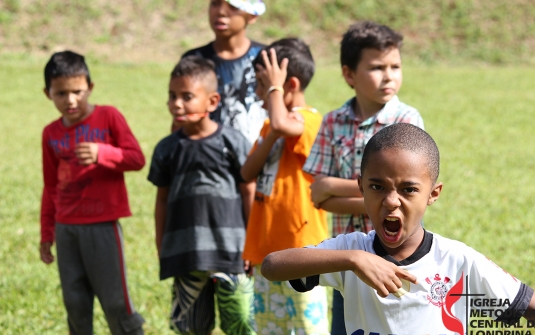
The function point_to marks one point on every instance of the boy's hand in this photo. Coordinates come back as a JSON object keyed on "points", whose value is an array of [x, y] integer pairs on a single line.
{"points": [[46, 253], [248, 267], [296, 116], [320, 189], [87, 153], [383, 276], [271, 74]]}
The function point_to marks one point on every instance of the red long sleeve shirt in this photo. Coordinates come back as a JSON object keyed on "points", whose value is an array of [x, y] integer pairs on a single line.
{"points": [[78, 194]]}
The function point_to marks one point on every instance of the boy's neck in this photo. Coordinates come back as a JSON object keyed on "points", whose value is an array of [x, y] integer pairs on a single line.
{"points": [[90, 109], [298, 100], [408, 247], [202, 129], [366, 109], [232, 47]]}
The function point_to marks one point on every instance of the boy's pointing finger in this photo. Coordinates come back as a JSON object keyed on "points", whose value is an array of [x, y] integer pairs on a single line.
{"points": [[403, 274]]}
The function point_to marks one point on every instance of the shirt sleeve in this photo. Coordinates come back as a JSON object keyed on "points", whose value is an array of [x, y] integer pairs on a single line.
{"points": [[242, 147], [334, 279], [302, 145], [125, 153], [413, 117], [321, 158], [160, 167], [488, 279], [50, 177]]}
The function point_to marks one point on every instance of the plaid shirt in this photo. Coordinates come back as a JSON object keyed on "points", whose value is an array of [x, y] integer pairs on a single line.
{"points": [[339, 146]]}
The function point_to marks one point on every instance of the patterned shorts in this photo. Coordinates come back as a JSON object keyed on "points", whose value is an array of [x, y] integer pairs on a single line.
{"points": [[280, 310], [193, 306]]}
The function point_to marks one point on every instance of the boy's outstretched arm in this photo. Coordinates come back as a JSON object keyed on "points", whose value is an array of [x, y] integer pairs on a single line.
{"points": [[160, 214], [272, 75], [385, 277]]}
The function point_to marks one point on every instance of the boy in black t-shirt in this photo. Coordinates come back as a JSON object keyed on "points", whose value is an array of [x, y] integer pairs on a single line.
{"points": [[199, 214]]}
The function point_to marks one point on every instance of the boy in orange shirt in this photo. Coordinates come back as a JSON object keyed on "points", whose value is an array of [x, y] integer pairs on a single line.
{"points": [[283, 216]]}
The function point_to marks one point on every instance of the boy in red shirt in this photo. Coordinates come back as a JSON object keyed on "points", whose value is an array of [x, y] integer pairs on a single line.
{"points": [[85, 153]]}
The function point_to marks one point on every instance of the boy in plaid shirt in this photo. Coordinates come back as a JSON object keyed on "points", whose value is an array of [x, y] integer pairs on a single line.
{"points": [[371, 65]]}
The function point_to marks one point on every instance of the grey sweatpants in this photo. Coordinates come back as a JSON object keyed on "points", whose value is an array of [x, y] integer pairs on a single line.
{"points": [[91, 262]]}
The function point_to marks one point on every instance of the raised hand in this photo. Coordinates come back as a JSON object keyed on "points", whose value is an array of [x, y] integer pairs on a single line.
{"points": [[271, 74]]}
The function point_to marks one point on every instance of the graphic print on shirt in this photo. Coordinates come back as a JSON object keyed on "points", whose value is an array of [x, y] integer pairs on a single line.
{"points": [[438, 290], [71, 190], [240, 108], [266, 178]]}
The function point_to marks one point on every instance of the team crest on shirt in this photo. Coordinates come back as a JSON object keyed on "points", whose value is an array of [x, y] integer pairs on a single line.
{"points": [[439, 289]]}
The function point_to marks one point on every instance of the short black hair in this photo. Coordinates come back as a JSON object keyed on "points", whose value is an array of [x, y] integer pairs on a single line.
{"points": [[197, 67], [366, 34], [300, 60], [66, 64], [408, 137]]}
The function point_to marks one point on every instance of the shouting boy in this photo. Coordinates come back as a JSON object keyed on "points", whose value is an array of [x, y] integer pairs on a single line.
{"points": [[371, 65], [400, 278]]}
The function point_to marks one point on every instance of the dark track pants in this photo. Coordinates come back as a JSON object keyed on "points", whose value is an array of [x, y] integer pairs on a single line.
{"points": [[91, 262]]}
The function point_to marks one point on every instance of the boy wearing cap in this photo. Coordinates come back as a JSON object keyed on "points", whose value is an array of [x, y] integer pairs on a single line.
{"points": [[233, 52]]}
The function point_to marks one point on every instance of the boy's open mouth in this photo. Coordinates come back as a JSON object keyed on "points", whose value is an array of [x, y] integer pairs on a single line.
{"points": [[392, 228]]}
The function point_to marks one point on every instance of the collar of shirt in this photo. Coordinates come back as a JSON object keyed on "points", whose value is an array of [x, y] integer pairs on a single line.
{"points": [[347, 111]]}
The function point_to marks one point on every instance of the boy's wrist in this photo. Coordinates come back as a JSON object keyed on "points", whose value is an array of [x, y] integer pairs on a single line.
{"points": [[275, 88]]}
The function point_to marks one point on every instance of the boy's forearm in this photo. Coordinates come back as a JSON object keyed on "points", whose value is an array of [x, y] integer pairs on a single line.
{"points": [[341, 187], [303, 262], [344, 205], [279, 117], [247, 191], [120, 159], [256, 160]]}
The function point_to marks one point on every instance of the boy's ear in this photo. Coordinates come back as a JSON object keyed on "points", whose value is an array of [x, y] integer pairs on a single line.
{"points": [[359, 179], [348, 75], [435, 193], [47, 93], [213, 101], [251, 18], [292, 85]]}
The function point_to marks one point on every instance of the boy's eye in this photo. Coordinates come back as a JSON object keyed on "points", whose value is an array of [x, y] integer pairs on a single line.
{"points": [[188, 97], [375, 187], [410, 190]]}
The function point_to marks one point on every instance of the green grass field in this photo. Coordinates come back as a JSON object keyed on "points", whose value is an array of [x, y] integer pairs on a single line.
{"points": [[479, 116]]}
